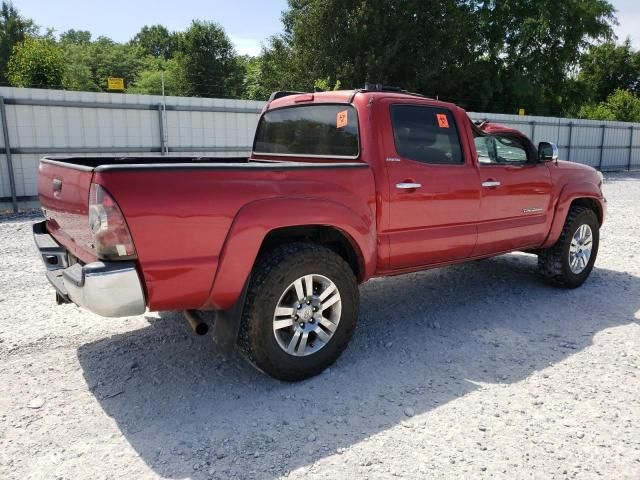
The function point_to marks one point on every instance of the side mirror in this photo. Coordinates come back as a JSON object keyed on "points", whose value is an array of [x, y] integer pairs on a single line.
{"points": [[547, 152]]}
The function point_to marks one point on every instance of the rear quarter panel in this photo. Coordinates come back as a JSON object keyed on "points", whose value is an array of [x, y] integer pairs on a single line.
{"points": [[180, 219]]}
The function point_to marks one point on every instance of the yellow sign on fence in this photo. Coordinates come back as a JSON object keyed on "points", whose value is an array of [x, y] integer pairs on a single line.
{"points": [[115, 83], [521, 112]]}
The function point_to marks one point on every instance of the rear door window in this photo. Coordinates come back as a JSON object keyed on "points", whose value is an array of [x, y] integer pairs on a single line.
{"points": [[309, 130], [426, 134]]}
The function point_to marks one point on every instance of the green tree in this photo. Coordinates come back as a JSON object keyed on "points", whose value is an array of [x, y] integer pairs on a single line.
{"points": [[325, 85], [156, 41], [254, 81], [621, 105], [149, 79], [76, 37], [111, 59], [89, 63], [484, 54], [212, 68], [410, 43], [78, 73], [13, 30], [36, 62], [608, 67], [273, 70], [531, 47]]}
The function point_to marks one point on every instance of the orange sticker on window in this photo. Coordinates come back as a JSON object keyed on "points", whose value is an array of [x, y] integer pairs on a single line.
{"points": [[443, 121], [342, 119]]}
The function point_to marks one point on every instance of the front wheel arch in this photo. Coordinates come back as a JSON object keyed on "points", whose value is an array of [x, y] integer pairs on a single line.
{"points": [[590, 204], [574, 195]]}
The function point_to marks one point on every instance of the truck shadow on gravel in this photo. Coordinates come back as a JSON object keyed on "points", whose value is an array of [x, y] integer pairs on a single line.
{"points": [[423, 340]]}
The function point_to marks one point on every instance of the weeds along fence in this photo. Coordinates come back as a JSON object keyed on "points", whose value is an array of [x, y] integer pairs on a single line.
{"points": [[39, 122]]}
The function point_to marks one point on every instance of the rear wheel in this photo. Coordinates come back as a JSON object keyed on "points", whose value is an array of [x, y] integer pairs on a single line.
{"points": [[300, 312], [569, 262]]}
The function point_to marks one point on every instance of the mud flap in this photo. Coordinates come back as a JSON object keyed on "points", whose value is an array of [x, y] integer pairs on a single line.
{"points": [[227, 324]]}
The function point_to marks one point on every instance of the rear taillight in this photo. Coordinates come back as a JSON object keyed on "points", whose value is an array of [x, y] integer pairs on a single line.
{"points": [[111, 235]]}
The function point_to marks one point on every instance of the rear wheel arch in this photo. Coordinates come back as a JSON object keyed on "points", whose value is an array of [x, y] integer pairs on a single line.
{"points": [[331, 237], [262, 224]]}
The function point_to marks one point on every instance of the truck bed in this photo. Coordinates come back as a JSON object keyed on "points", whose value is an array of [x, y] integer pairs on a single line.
{"points": [[180, 210]]}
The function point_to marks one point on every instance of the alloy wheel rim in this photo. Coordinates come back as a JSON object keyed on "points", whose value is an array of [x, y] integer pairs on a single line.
{"points": [[307, 315], [580, 249]]}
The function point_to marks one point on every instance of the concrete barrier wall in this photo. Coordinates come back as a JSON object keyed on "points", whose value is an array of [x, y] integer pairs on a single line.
{"points": [[40, 122]]}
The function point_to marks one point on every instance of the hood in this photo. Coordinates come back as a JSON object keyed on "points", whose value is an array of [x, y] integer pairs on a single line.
{"points": [[566, 165], [564, 172]]}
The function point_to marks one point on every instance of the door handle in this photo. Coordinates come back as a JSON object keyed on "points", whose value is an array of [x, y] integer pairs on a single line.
{"points": [[490, 184], [408, 185]]}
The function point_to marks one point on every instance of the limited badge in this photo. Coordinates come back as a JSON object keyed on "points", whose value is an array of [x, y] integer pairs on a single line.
{"points": [[342, 119], [443, 121]]}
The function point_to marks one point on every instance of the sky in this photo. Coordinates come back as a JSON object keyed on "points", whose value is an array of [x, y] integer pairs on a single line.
{"points": [[247, 22], [629, 19]]}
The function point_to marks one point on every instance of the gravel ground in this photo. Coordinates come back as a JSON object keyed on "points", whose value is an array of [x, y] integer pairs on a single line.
{"points": [[474, 371]]}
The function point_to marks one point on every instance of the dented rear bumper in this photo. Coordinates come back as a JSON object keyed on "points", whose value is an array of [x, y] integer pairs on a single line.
{"points": [[109, 289]]}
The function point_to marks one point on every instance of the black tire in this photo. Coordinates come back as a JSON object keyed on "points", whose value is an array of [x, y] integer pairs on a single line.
{"points": [[553, 262], [273, 273]]}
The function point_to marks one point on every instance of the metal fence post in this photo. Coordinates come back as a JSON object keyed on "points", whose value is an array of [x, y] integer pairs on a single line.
{"points": [[161, 124], [630, 147], [569, 146], [533, 130], [604, 129], [7, 148]]}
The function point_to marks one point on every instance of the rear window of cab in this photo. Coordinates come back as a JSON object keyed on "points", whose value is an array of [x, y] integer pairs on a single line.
{"points": [[321, 130]]}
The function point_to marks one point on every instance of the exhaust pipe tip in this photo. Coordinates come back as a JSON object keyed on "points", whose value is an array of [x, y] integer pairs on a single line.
{"points": [[196, 323], [201, 329]]}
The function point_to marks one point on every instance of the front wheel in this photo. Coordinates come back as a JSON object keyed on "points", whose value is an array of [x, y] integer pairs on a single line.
{"points": [[569, 262], [300, 312]]}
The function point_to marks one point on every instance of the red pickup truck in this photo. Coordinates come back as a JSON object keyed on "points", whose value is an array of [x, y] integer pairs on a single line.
{"points": [[340, 187]]}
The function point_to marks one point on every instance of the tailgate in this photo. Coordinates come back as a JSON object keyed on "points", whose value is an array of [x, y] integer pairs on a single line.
{"points": [[64, 195]]}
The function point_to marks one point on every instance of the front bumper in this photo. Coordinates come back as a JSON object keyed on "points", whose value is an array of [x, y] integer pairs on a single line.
{"points": [[109, 289]]}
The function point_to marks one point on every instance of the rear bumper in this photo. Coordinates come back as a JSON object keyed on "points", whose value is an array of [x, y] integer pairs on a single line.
{"points": [[109, 289]]}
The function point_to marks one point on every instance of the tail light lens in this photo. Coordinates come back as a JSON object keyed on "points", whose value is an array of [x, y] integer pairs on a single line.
{"points": [[111, 235]]}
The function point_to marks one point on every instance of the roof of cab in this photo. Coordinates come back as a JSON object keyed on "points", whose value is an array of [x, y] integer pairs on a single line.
{"points": [[288, 99]]}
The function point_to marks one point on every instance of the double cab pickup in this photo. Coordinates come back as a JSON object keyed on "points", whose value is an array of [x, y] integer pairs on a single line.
{"points": [[340, 187]]}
